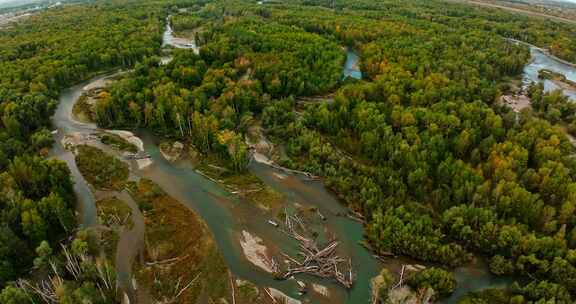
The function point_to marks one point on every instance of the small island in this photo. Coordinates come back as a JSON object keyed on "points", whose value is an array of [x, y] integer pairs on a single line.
{"points": [[558, 78]]}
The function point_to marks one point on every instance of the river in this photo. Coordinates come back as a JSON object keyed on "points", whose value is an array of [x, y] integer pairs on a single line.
{"points": [[227, 215], [64, 125], [168, 39], [541, 59], [352, 65]]}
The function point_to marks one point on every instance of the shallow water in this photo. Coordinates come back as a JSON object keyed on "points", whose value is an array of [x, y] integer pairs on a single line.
{"points": [[130, 244], [64, 125], [227, 216], [168, 39], [310, 193], [475, 277], [541, 60], [352, 65]]}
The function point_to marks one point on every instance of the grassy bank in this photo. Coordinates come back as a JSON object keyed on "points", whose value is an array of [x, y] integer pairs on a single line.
{"points": [[101, 170], [112, 212], [182, 263], [84, 110], [117, 142], [245, 184]]}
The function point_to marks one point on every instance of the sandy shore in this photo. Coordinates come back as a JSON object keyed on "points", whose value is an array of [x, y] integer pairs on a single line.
{"points": [[129, 137], [279, 175], [102, 82], [135, 140], [143, 163], [72, 140], [516, 102], [255, 251], [80, 138], [321, 290], [277, 294], [98, 84], [263, 159]]}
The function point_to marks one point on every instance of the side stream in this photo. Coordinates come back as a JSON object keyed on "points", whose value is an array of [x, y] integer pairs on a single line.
{"points": [[541, 59], [227, 216]]}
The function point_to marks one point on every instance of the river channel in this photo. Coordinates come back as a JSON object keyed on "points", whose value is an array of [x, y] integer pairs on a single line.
{"points": [[541, 59], [227, 215], [352, 65]]}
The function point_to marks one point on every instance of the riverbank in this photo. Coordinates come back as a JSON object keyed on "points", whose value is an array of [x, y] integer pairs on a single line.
{"points": [[558, 78], [90, 133], [172, 233], [542, 60], [120, 225], [299, 192], [201, 195], [181, 262], [543, 51], [101, 170], [169, 39], [82, 113], [242, 184]]}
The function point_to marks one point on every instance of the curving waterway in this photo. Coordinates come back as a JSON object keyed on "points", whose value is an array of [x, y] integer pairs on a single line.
{"points": [[168, 39], [227, 216], [86, 207], [541, 59]]}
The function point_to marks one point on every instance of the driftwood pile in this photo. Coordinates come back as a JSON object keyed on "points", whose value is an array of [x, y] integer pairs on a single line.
{"points": [[316, 260]]}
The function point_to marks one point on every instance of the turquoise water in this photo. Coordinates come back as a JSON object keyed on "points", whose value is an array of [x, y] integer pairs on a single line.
{"points": [[352, 65]]}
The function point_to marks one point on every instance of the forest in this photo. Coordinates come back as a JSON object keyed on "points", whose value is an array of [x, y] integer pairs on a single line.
{"points": [[421, 147], [39, 56]]}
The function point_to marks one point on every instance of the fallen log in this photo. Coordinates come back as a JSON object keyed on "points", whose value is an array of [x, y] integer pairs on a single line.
{"points": [[319, 261]]}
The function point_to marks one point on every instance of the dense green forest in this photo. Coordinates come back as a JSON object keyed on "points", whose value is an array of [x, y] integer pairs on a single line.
{"points": [[441, 171], [421, 147], [39, 57]]}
